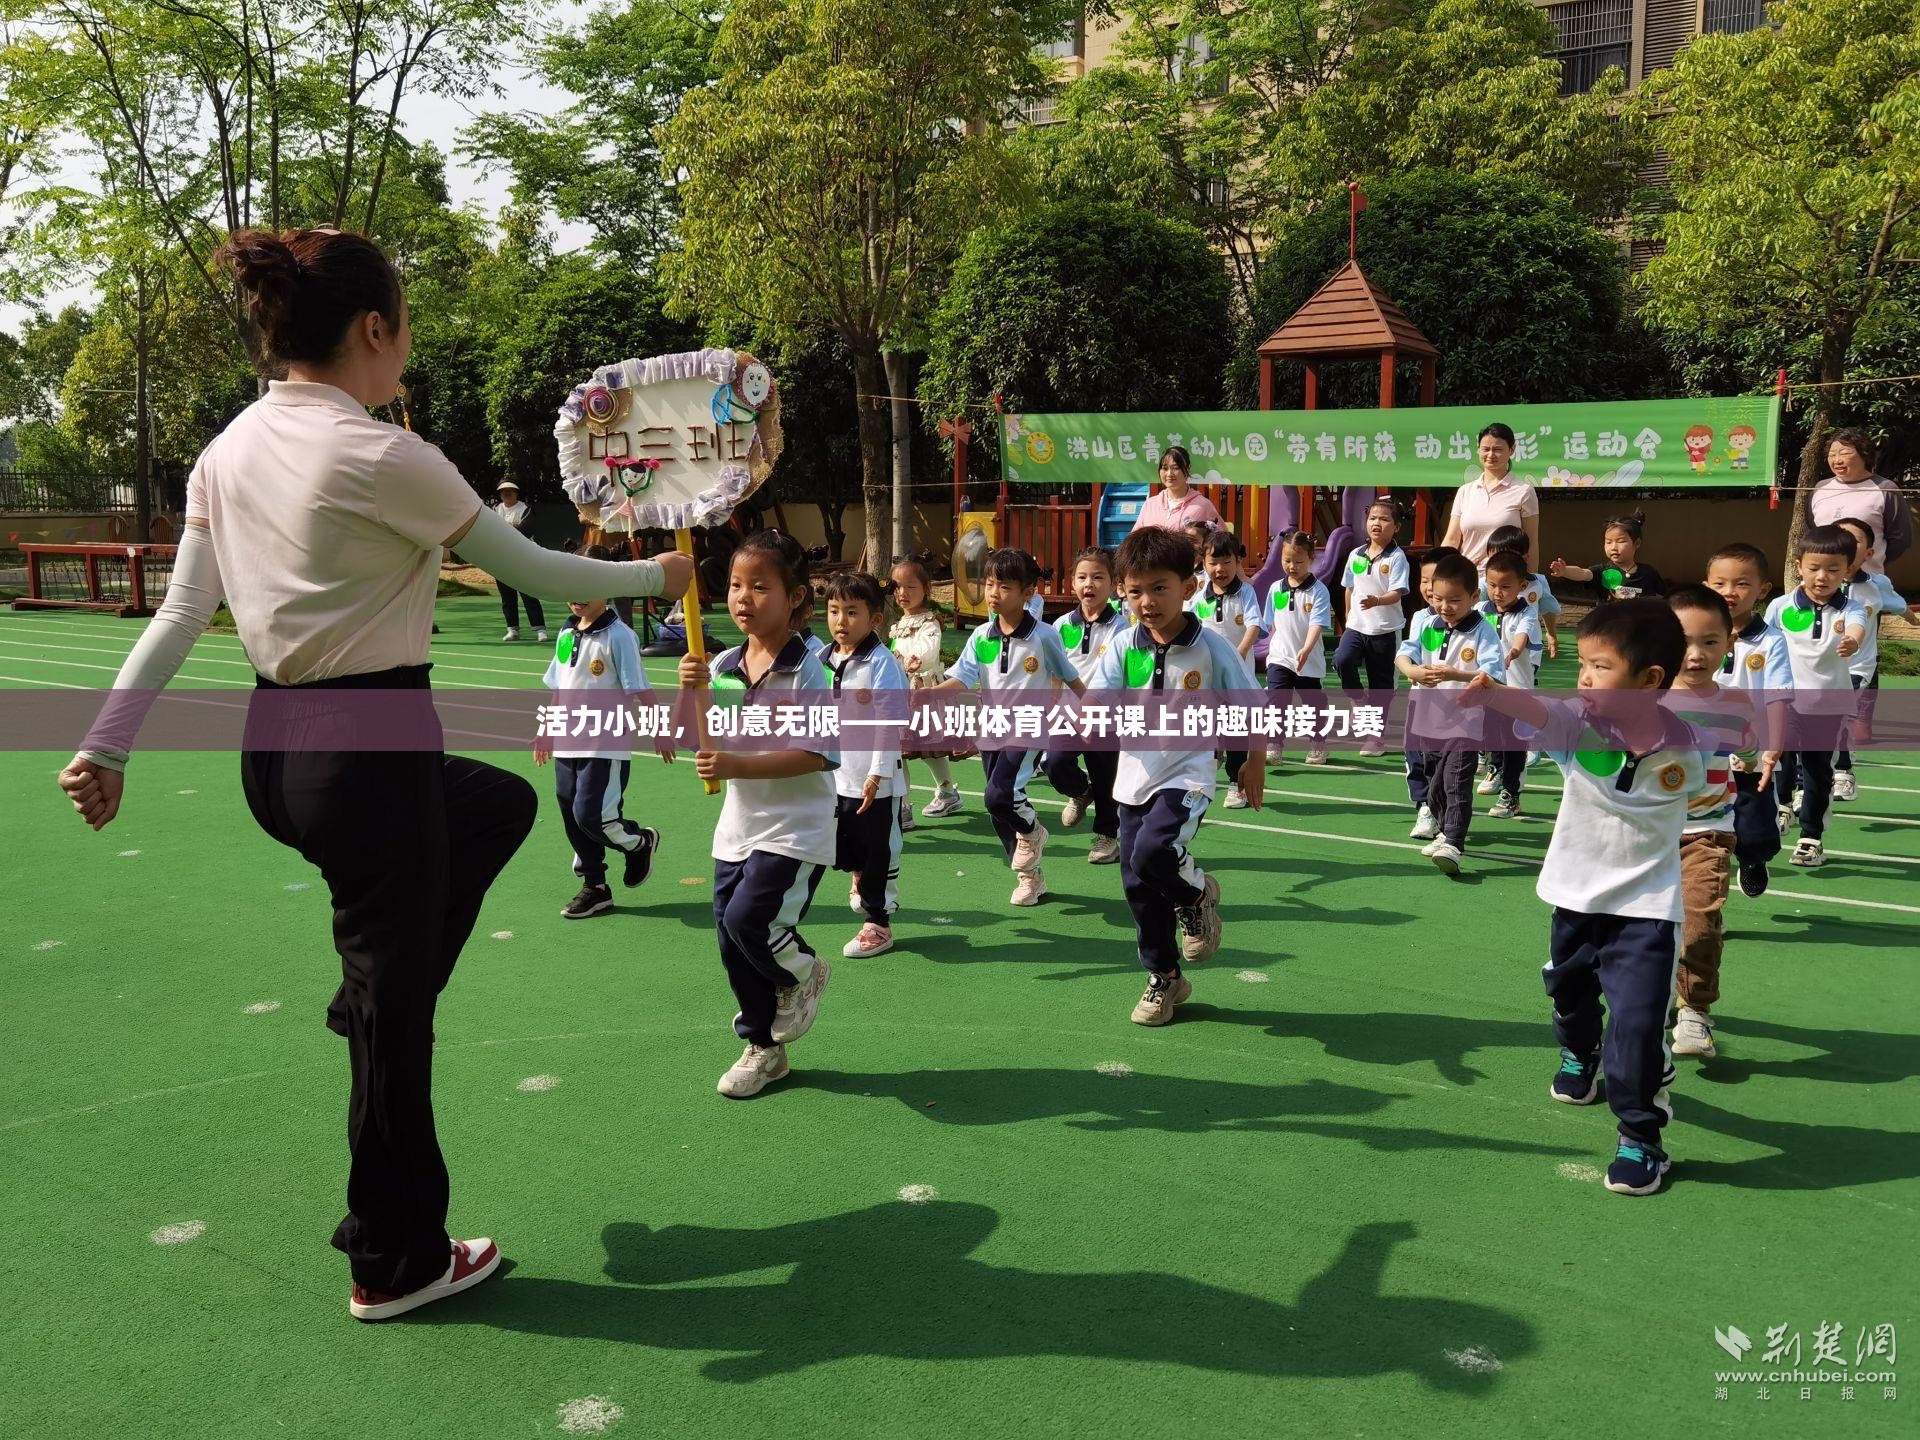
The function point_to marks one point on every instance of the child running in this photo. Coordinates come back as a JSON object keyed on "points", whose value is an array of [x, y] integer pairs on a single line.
{"points": [[597, 652], [1086, 632], [1302, 614], [1227, 605], [916, 637], [1012, 652], [1756, 661], [1163, 793], [776, 834], [869, 784], [1621, 576], [1520, 645], [1425, 827], [1539, 591], [1875, 595], [1377, 581]]}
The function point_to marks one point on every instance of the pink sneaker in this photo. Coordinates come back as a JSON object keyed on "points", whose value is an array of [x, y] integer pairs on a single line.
{"points": [[872, 940], [472, 1262], [1028, 848]]}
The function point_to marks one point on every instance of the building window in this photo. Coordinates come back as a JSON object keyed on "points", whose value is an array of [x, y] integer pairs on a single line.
{"points": [[1594, 35], [1211, 193], [1732, 17], [1040, 110], [1070, 45], [1194, 57]]}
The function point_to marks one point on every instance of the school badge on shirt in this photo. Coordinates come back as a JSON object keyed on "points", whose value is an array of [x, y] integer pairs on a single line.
{"points": [[598, 667], [1672, 777]]}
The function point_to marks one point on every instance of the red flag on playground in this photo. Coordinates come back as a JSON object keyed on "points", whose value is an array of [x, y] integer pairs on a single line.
{"points": [[1359, 196]]}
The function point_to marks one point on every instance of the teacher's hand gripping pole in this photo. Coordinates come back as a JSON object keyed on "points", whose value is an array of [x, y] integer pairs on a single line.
{"points": [[696, 638]]}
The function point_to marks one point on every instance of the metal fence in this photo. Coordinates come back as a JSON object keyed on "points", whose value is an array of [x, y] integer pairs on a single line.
{"points": [[28, 490]]}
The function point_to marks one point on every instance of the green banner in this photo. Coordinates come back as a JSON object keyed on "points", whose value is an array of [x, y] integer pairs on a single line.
{"points": [[1626, 444]]}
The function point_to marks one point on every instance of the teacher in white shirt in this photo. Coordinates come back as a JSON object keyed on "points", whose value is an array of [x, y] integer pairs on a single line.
{"points": [[1494, 500], [323, 529]]}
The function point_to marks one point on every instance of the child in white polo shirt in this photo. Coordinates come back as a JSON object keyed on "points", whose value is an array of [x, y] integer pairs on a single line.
{"points": [[1823, 630], [1163, 793], [1425, 826], [869, 782], [1300, 613], [1013, 653], [1230, 607], [776, 835], [1377, 580], [1756, 662], [1085, 633], [1448, 653], [1875, 595], [1612, 872], [1505, 581], [598, 654]]}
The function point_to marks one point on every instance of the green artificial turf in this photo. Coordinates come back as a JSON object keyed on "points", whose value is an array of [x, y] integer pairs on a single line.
{"points": [[1333, 1198]]}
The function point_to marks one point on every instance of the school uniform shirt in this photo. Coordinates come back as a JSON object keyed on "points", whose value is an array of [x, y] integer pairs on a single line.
{"points": [[918, 637], [605, 656], [1521, 623], [1643, 581], [1875, 596], [1197, 660], [1616, 841], [1813, 634], [1085, 641], [1036, 606], [1731, 724], [1470, 643], [1290, 614], [1758, 659], [1231, 612], [792, 817], [1031, 658], [869, 671], [1539, 594], [1367, 575], [816, 647]]}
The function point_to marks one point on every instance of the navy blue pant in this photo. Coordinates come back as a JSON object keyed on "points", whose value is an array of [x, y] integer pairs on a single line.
{"points": [[1843, 757], [1812, 772], [758, 904], [1756, 826], [1157, 872], [1008, 772], [868, 845], [1450, 791], [1095, 784], [1629, 965], [1373, 653], [510, 607], [1512, 765], [1301, 689], [1419, 762], [590, 793]]}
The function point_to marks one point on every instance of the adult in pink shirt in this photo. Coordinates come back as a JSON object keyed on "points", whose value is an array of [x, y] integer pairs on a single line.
{"points": [[1854, 492], [1176, 503], [1492, 501]]}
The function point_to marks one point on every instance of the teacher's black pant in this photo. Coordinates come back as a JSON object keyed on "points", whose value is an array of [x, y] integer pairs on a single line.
{"points": [[408, 843]]}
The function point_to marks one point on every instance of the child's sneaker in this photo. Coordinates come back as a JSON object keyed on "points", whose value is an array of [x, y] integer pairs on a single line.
{"points": [[906, 814], [1163, 993], [1809, 854], [1028, 848], [872, 940], [1445, 856], [947, 800], [1507, 807], [511, 635], [1534, 757], [1637, 1168], [1105, 851], [853, 893], [758, 1067], [1425, 826], [640, 859], [543, 637], [1029, 887], [1373, 746], [797, 1006], [1200, 924], [1693, 1034], [1489, 783], [1785, 816], [1316, 754], [1577, 1081], [1845, 787], [1074, 811], [472, 1261], [1236, 799], [592, 900], [1432, 845], [1753, 878]]}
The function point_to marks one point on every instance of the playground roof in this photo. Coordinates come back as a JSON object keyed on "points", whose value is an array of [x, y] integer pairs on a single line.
{"points": [[1349, 315]]}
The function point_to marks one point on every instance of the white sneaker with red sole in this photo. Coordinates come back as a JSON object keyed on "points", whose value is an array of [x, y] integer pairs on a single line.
{"points": [[472, 1262]]}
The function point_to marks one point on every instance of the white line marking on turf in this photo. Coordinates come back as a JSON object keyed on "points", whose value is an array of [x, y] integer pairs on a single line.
{"points": [[1476, 1360], [262, 1007], [503, 934], [1586, 1174], [1114, 1067], [49, 944], [44, 684], [298, 886], [179, 1234], [1843, 900], [918, 1194], [589, 1415], [186, 792], [534, 1084], [1252, 977]]}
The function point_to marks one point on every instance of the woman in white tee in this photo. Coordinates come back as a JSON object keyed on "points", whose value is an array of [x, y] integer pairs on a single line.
{"points": [[323, 529]]}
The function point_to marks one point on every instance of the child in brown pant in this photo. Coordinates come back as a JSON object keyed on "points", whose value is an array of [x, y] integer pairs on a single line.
{"points": [[1706, 843]]}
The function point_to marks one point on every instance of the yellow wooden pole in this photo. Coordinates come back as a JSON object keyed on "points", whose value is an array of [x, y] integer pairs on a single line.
{"points": [[696, 637]]}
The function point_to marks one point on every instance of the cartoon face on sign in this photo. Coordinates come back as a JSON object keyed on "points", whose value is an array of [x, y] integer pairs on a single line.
{"points": [[755, 385]]}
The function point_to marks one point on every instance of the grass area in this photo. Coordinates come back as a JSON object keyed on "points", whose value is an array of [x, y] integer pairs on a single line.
{"points": [[985, 1203]]}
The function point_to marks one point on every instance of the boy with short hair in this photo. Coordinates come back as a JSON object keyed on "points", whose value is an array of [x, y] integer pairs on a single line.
{"points": [[1756, 661], [1228, 605], [1162, 794], [868, 784], [1823, 631], [598, 653], [1612, 872], [1456, 647], [1520, 645], [1087, 631], [1539, 589], [1425, 826], [1876, 596]]}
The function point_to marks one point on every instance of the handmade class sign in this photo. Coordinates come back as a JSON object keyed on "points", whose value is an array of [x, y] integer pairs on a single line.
{"points": [[673, 442]]}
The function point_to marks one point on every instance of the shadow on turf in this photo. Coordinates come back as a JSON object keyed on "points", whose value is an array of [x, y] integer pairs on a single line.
{"points": [[899, 1281]]}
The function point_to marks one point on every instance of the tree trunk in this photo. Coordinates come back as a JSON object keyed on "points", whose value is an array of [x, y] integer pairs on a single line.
{"points": [[1833, 367], [869, 378], [899, 383], [142, 420]]}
